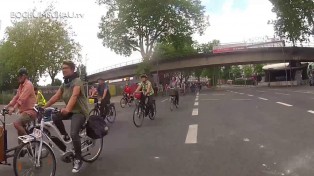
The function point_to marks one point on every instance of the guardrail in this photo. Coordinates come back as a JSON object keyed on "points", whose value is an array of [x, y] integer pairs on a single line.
{"points": [[123, 64]]}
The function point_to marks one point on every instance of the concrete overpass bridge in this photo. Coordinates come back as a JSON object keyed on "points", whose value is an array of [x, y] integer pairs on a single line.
{"points": [[249, 56]]}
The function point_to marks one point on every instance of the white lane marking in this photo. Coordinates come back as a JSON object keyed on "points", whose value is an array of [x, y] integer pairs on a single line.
{"points": [[241, 93], [310, 111], [196, 96], [195, 112], [164, 100], [196, 104], [196, 99], [191, 137], [250, 95], [285, 104], [210, 99], [281, 93], [262, 98], [197, 93], [260, 91], [156, 157], [246, 140], [241, 99]]}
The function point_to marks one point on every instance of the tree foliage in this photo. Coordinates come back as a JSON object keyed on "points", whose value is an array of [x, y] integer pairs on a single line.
{"points": [[38, 44], [137, 25], [247, 70], [295, 19], [207, 47], [236, 71]]}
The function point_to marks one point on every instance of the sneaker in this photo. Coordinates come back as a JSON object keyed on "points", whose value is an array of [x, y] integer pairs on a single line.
{"points": [[66, 138], [77, 165]]}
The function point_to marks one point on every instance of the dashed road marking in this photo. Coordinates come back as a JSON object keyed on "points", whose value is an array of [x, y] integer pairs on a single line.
{"points": [[281, 93], [311, 111], [196, 104], [164, 100], [195, 112], [191, 137], [250, 95], [262, 98], [285, 104]]}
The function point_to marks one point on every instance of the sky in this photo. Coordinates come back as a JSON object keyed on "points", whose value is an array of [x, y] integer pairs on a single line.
{"points": [[231, 21]]}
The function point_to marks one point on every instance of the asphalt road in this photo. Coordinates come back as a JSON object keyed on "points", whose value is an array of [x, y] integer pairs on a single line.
{"points": [[231, 131]]}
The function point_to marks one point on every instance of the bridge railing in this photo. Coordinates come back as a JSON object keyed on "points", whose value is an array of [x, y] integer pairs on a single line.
{"points": [[248, 45], [123, 64]]}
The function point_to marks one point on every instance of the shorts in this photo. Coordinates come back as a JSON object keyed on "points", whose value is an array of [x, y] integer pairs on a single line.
{"points": [[24, 119]]}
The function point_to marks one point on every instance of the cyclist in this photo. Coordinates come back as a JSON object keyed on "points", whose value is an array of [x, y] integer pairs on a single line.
{"points": [[24, 101], [104, 96], [127, 91], [73, 94], [174, 85], [41, 101], [146, 87]]}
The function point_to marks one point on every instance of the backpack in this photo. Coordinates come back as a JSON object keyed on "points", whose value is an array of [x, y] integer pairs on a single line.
{"points": [[96, 127]]}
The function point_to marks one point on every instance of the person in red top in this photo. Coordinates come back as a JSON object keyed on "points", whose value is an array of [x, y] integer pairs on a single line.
{"points": [[24, 101], [127, 90]]}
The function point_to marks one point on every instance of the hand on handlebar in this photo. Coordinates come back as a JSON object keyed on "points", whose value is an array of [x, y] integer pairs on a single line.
{"points": [[65, 112]]}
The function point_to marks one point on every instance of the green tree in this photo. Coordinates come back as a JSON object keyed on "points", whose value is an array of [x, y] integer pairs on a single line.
{"points": [[236, 71], [82, 71], [247, 70], [40, 45], [174, 47], [207, 47], [137, 25], [57, 82], [258, 69], [295, 19]]}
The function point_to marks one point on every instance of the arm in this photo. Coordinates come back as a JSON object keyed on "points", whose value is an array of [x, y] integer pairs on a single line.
{"points": [[54, 98], [105, 92], [149, 88], [138, 88], [23, 95], [73, 99]]}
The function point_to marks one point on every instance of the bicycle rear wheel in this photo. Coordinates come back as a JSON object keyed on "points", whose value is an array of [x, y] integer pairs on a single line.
{"points": [[152, 115], [171, 103], [112, 114], [91, 148], [138, 116], [26, 156], [94, 112]]}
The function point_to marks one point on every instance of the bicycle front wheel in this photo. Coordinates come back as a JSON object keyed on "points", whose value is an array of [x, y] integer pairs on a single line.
{"points": [[138, 116], [112, 114], [25, 161]]}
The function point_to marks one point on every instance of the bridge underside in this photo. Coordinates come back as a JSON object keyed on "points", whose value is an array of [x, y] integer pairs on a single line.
{"points": [[252, 56]]}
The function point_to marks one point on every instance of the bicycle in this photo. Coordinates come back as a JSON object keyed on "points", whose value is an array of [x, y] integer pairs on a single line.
{"points": [[173, 101], [110, 117], [141, 110], [6, 153], [126, 100], [40, 153]]}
